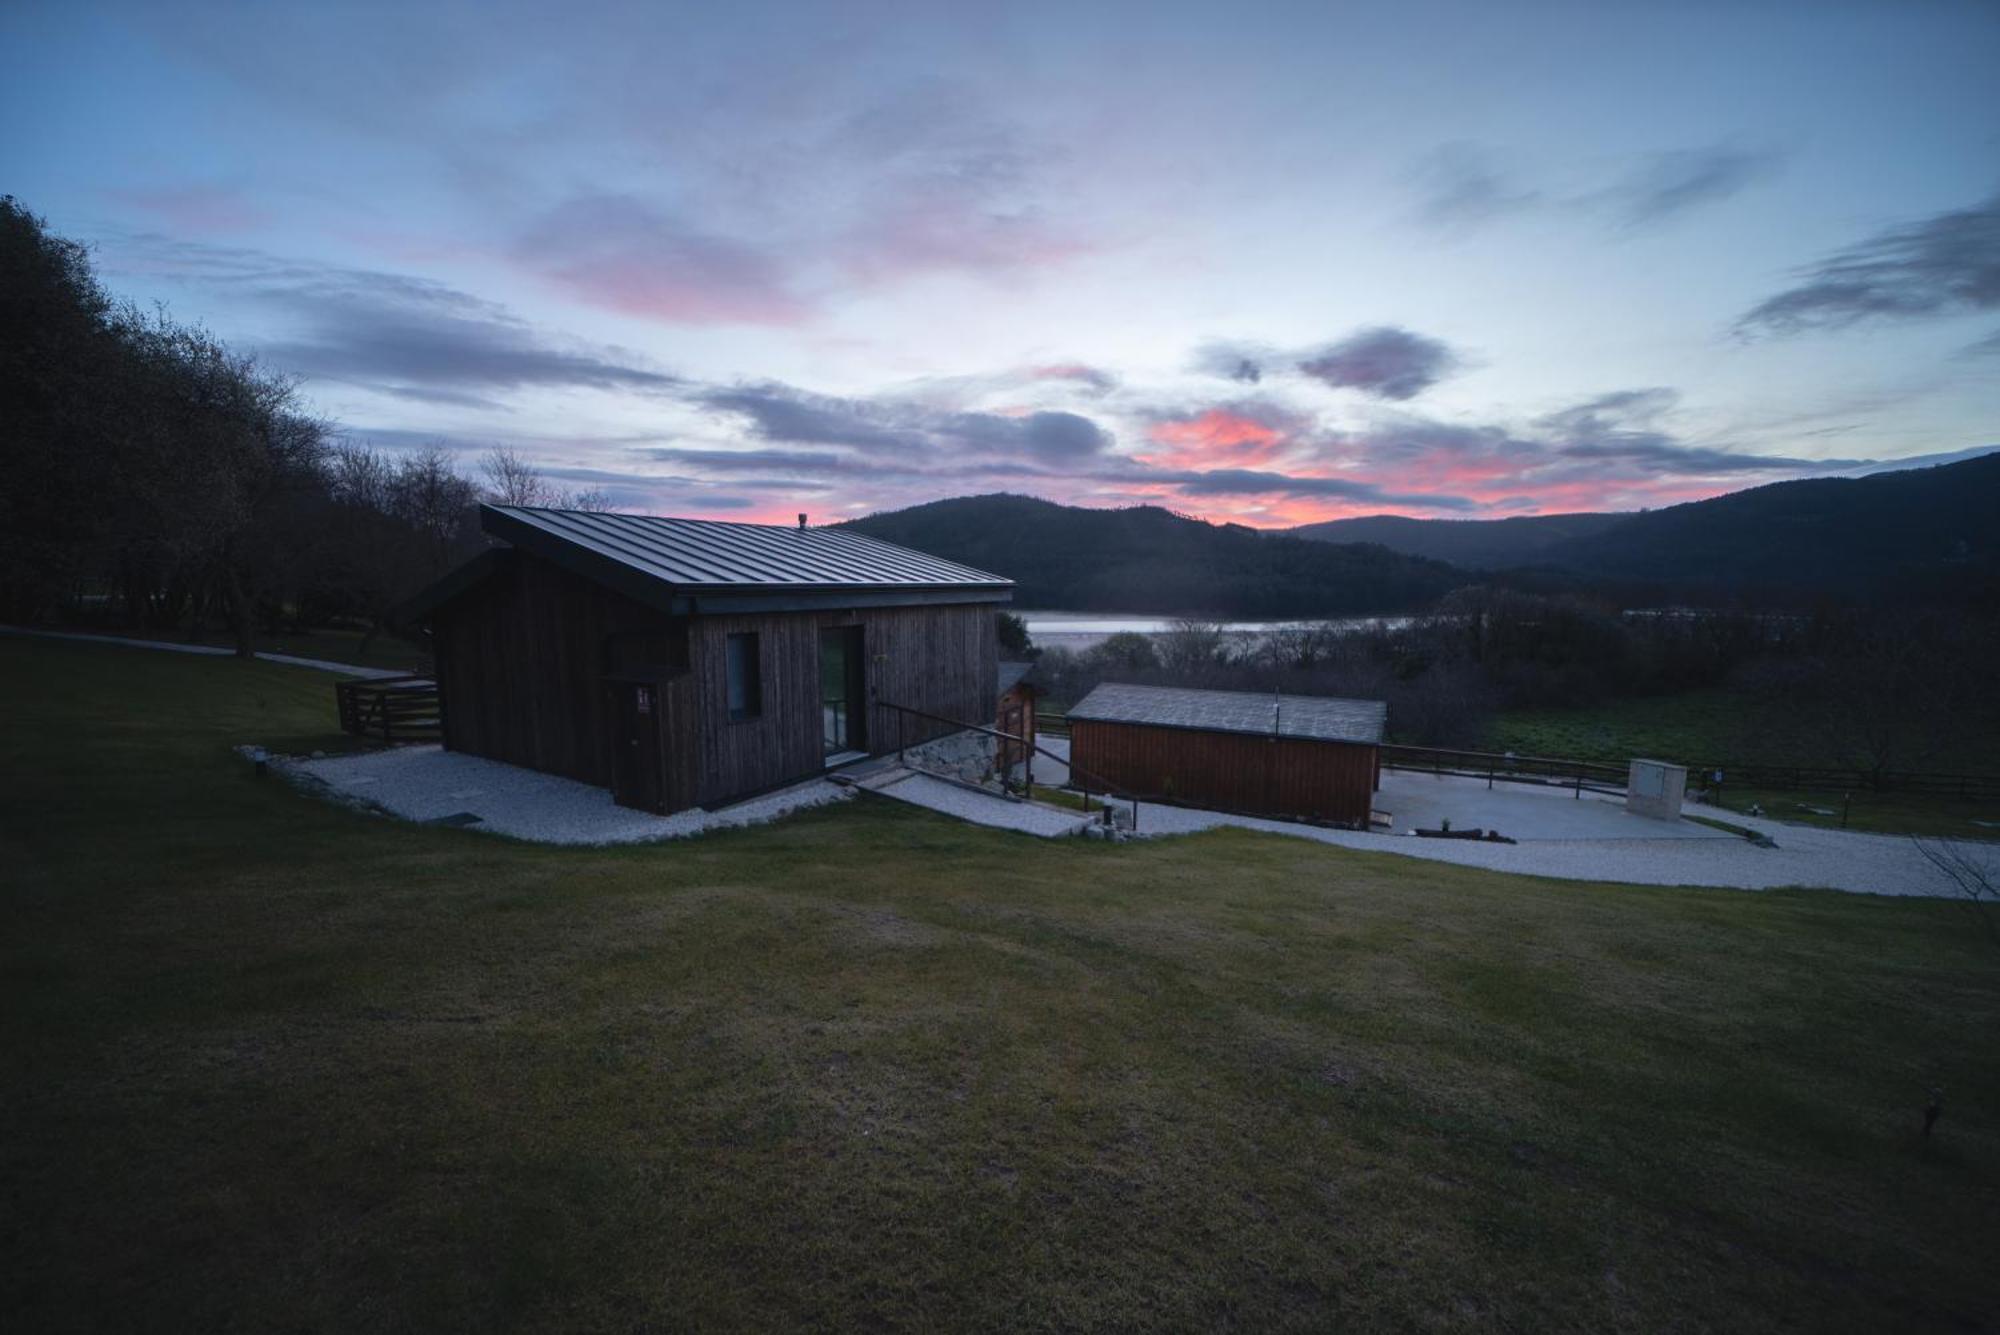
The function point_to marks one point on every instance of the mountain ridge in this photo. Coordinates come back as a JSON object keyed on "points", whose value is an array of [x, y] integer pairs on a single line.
{"points": [[1929, 533]]}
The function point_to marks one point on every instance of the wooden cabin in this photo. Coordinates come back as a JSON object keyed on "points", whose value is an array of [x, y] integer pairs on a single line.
{"points": [[686, 662], [1310, 756]]}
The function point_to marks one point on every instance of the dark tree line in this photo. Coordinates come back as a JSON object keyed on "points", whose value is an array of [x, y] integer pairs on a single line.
{"points": [[157, 480], [1878, 689]]}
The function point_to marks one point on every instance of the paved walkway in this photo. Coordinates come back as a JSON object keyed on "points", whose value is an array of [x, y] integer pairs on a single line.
{"points": [[1524, 811], [1829, 859], [968, 804], [1595, 839], [430, 784], [178, 647]]}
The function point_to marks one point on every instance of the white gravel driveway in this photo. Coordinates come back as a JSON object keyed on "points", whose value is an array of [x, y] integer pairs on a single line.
{"points": [[1873, 864], [429, 783]]}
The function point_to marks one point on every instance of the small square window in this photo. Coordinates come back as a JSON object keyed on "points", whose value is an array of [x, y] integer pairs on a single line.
{"points": [[746, 680]]}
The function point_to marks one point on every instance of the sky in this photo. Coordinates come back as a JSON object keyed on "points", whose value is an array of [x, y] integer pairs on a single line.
{"points": [[1262, 263]]}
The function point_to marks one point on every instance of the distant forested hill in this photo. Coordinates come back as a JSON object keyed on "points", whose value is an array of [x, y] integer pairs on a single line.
{"points": [[1923, 532], [1928, 533], [1147, 559], [1480, 544]]}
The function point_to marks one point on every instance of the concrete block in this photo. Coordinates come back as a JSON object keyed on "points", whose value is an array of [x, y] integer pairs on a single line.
{"points": [[1655, 788]]}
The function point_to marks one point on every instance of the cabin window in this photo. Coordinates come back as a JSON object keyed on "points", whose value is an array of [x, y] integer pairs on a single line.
{"points": [[746, 683]]}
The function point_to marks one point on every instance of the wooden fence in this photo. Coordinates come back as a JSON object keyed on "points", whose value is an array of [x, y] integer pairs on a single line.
{"points": [[394, 709], [1804, 778], [1582, 776]]}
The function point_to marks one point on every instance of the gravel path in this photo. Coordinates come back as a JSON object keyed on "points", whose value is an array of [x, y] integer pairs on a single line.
{"points": [[1598, 841], [983, 808], [1874, 864], [428, 783], [1054, 772], [171, 646]]}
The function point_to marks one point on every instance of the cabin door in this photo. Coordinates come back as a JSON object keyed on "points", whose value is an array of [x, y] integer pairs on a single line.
{"points": [[842, 695], [636, 780]]}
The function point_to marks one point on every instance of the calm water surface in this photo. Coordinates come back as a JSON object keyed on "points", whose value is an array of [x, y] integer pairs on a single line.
{"points": [[1080, 630]]}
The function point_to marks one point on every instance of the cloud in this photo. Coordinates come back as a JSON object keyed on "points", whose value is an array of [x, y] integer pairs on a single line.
{"points": [[1669, 184], [195, 207], [1385, 362], [1945, 265], [1241, 362], [1094, 379], [620, 253], [1254, 482], [780, 412], [776, 411], [1460, 187], [1235, 434], [950, 188], [403, 336], [1620, 409]]}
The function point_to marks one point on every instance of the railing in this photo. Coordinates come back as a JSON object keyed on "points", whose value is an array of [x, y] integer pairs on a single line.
{"points": [[1806, 778], [1105, 788], [395, 709], [1580, 775]]}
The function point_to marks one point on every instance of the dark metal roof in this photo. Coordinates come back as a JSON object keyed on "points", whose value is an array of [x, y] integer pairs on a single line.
{"points": [[414, 610], [1319, 717], [1011, 672], [695, 555]]}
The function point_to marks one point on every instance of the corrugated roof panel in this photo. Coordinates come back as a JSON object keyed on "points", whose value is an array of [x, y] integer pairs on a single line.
{"points": [[716, 554], [1319, 717]]}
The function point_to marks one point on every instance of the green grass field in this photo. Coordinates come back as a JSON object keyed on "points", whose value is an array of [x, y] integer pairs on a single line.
{"points": [[333, 646], [272, 1064], [1703, 727]]}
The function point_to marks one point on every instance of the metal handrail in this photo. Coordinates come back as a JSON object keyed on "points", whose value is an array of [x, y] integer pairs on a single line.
{"points": [[1033, 750], [1492, 766]]}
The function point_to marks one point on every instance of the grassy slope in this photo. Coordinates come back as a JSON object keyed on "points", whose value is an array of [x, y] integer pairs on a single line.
{"points": [[268, 1063], [1708, 726], [333, 646]]}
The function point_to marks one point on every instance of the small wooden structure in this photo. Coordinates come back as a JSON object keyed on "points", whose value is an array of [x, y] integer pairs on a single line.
{"points": [[685, 662], [391, 709], [1307, 756], [1015, 715]]}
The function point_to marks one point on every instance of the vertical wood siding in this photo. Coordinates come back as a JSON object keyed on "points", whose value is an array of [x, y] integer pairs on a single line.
{"points": [[1283, 776], [942, 659], [522, 660]]}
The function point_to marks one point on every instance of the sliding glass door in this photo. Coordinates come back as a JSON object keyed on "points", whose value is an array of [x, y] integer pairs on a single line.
{"points": [[840, 690]]}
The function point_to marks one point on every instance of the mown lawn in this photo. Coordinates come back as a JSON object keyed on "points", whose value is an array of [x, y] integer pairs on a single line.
{"points": [[270, 1064], [1706, 727], [331, 645]]}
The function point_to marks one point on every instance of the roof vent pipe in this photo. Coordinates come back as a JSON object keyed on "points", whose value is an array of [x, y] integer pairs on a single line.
{"points": [[802, 521]]}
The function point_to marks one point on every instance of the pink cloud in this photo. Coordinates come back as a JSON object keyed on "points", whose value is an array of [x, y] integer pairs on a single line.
{"points": [[203, 208], [1219, 437], [618, 253]]}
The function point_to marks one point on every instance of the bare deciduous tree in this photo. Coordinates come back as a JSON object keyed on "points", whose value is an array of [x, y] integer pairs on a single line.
{"points": [[433, 499], [512, 480], [1189, 647]]}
